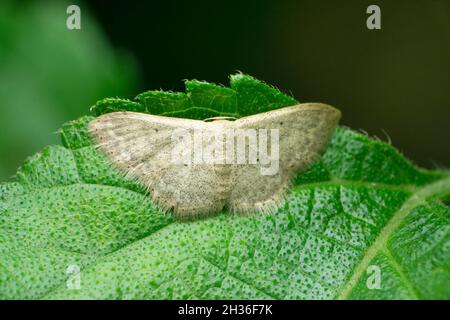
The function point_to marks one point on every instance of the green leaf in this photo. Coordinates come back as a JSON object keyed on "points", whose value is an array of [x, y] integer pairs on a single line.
{"points": [[204, 100], [49, 74], [361, 223]]}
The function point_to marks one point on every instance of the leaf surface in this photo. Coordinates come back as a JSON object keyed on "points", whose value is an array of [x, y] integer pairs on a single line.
{"points": [[361, 223]]}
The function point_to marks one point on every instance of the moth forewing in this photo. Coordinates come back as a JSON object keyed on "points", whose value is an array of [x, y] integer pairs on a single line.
{"points": [[141, 147]]}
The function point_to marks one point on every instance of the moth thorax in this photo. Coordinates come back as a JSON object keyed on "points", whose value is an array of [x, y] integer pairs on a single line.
{"points": [[220, 119]]}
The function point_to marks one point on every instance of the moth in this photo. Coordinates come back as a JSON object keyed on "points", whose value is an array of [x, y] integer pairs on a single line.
{"points": [[222, 164]]}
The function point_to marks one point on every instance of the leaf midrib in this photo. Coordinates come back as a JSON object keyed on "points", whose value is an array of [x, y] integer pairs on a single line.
{"points": [[441, 187], [436, 189]]}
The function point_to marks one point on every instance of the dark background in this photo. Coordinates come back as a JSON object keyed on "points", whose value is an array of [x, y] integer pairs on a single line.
{"points": [[393, 82]]}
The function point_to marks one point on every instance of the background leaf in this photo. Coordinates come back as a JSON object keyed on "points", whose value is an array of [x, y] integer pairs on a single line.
{"points": [[49, 75], [362, 204]]}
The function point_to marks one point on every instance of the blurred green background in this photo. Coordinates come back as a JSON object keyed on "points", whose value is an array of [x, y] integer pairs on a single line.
{"points": [[391, 82]]}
